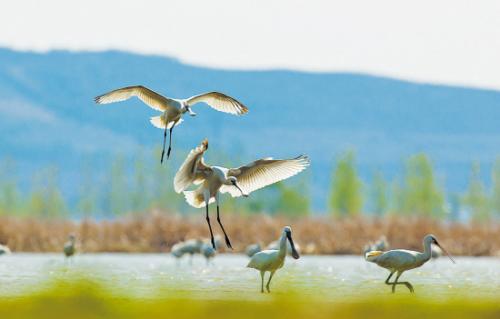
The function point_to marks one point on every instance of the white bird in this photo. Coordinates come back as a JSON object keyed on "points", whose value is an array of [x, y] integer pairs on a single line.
{"points": [[243, 180], [190, 246], [208, 252], [251, 250], [69, 248], [380, 245], [172, 109], [4, 250], [401, 260], [272, 260], [276, 245]]}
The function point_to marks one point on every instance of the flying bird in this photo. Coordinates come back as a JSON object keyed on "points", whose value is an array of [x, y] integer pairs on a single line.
{"points": [[273, 259], [240, 181], [401, 260], [172, 109]]}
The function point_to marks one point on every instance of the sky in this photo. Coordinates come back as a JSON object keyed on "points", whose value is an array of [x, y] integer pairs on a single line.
{"points": [[453, 42]]}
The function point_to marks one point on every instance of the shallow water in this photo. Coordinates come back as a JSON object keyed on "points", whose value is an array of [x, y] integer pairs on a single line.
{"points": [[144, 275]]}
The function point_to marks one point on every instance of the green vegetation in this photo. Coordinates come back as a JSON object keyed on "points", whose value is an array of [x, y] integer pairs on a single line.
{"points": [[139, 183], [85, 299]]}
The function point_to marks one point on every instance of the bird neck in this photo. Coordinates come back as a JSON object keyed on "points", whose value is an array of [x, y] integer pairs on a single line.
{"points": [[283, 240], [426, 255]]}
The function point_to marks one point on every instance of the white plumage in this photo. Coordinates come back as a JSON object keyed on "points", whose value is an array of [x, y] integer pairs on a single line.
{"points": [[243, 180], [401, 260], [172, 109], [272, 259]]}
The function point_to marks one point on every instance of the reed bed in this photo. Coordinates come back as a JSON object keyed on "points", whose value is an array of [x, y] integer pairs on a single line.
{"points": [[158, 231]]}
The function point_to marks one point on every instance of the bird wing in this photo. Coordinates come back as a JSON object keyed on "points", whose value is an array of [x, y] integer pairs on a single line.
{"points": [[193, 170], [219, 102], [150, 97], [264, 172]]}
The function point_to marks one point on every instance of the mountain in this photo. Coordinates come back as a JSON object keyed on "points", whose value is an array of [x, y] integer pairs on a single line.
{"points": [[47, 116]]}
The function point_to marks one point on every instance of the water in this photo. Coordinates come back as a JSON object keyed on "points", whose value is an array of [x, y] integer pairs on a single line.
{"points": [[144, 275]]}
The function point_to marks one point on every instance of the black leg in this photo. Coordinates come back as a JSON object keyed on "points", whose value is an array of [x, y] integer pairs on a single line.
{"points": [[164, 140], [406, 283], [210, 227], [170, 141], [228, 243], [387, 280]]}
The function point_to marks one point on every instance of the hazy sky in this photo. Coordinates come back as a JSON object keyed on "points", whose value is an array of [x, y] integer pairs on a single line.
{"points": [[447, 41]]}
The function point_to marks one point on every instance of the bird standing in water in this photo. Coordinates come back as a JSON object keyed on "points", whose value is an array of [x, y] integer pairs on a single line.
{"points": [[69, 247], [400, 260]]}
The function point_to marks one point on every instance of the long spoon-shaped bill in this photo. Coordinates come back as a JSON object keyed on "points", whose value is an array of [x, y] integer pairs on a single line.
{"points": [[243, 194], [295, 254], [446, 252]]}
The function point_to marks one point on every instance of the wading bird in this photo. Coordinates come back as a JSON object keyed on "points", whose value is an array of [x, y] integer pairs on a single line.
{"points": [[401, 260], [380, 245], [208, 252], [190, 246], [69, 247], [172, 109], [4, 250], [236, 181], [251, 250], [276, 245], [272, 260]]}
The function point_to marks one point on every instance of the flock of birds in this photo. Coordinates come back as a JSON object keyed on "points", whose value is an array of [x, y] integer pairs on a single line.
{"points": [[241, 181]]}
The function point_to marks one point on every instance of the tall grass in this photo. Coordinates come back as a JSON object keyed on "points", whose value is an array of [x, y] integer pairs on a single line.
{"points": [[157, 232]]}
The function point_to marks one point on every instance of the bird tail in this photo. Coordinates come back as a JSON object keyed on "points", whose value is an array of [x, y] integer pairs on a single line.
{"points": [[159, 122], [373, 255], [196, 199]]}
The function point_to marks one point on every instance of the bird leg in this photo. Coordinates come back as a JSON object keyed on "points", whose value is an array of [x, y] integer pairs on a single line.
{"points": [[262, 281], [228, 243], [269, 281], [406, 283], [164, 140], [210, 227], [170, 141], [387, 282]]}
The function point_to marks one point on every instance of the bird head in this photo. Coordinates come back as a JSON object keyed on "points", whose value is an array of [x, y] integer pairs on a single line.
{"points": [[433, 240], [288, 232], [188, 109], [234, 181]]}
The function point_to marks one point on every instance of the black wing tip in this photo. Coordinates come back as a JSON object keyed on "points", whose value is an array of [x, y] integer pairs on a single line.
{"points": [[303, 158], [98, 99]]}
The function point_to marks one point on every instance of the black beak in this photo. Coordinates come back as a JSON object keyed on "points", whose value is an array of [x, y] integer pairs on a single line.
{"points": [[236, 185], [445, 251], [295, 254]]}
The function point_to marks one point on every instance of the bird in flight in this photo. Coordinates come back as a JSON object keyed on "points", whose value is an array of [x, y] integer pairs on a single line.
{"points": [[240, 181], [172, 109]]}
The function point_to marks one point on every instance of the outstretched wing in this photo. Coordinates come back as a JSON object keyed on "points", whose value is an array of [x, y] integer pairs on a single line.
{"points": [[219, 102], [193, 170], [264, 172], [150, 97]]}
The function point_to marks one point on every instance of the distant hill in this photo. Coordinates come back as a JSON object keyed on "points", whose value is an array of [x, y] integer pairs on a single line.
{"points": [[47, 115]]}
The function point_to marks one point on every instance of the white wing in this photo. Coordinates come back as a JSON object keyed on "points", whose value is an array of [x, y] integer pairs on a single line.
{"points": [[150, 97], [219, 102], [193, 170], [264, 172]]}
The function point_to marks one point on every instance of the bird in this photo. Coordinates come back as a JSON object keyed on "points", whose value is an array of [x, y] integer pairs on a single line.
{"points": [[4, 250], [380, 245], [172, 109], [276, 245], [69, 247], [272, 259], [208, 252], [251, 250], [240, 181], [400, 260], [436, 252], [190, 246]]}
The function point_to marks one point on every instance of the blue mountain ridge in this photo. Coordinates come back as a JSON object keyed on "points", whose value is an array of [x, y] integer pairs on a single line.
{"points": [[47, 116]]}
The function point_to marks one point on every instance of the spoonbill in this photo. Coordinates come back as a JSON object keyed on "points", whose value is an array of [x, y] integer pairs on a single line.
{"points": [[251, 250], [208, 252], [380, 245], [4, 250], [172, 109], [272, 260], [69, 247], [190, 246], [276, 245], [236, 181], [400, 260]]}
